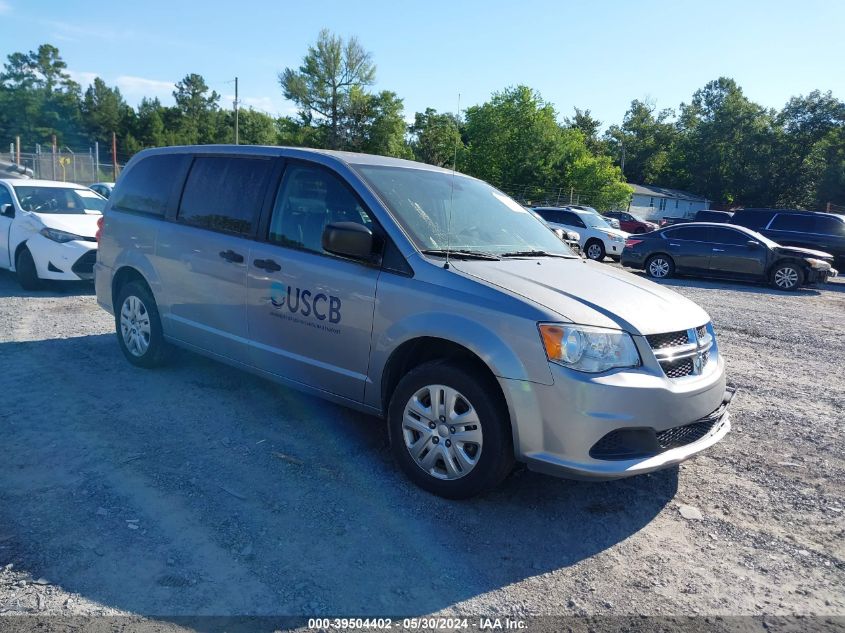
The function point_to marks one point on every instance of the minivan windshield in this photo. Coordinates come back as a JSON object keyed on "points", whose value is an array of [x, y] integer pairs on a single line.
{"points": [[483, 219], [45, 199]]}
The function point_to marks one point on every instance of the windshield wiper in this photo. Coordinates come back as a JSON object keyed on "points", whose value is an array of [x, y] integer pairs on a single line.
{"points": [[460, 253], [536, 254]]}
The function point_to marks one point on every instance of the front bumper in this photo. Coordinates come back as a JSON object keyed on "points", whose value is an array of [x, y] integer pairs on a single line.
{"points": [[63, 261], [559, 429]]}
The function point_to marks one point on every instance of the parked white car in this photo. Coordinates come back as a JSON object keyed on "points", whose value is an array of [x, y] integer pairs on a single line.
{"points": [[102, 188], [598, 238], [48, 230]]}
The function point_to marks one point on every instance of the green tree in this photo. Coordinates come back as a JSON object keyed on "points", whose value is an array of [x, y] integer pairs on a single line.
{"points": [[199, 109], [645, 140], [589, 126], [374, 124], [435, 137], [104, 111], [322, 86]]}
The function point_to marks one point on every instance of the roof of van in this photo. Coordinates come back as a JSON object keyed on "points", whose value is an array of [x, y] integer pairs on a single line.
{"points": [[350, 158]]}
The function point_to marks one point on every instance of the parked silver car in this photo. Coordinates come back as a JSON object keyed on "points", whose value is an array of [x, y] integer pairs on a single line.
{"points": [[433, 300]]}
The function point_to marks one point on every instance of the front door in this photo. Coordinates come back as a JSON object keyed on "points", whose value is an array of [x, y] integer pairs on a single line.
{"points": [[5, 227], [202, 257], [310, 313], [733, 256]]}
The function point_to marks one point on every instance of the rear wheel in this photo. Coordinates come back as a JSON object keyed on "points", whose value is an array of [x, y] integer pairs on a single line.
{"points": [[660, 266], [138, 326], [26, 272], [448, 431], [787, 276], [595, 250]]}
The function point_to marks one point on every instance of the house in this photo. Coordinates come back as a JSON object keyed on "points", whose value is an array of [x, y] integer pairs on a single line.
{"points": [[652, 203]]}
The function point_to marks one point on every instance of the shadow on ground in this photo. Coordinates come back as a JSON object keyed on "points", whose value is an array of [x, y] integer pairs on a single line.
{"points": [[199, 489], [9, 287]]}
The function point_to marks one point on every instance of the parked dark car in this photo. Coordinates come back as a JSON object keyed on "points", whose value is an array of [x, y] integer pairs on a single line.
{"points": [[790, 227], [671, 221], [708, 215], [631, 223], [719, 250]]}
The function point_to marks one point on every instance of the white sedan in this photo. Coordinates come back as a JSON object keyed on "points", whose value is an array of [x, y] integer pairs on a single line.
{"points": [[598, 237], [48, 230]]}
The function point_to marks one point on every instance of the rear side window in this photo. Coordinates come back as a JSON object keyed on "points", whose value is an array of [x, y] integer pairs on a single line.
{"points": [[800, 222], [689, 234], [570, 219], [751, 219], [225, 193], [146, 187], [829, 226]]}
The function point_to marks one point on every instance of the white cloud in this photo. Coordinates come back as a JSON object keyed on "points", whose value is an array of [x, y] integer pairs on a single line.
{"points": [[264, 104], [83, 78], [140, 87]]}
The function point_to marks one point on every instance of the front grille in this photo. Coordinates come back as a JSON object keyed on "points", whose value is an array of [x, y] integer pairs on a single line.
{"points": [[683, 435], [682, 353], [678, 368], [670, 339], [85, 264]]}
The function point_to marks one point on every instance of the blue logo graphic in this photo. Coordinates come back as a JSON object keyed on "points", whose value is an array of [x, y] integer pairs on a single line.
{"points": [[277, 294], [319, 306]]}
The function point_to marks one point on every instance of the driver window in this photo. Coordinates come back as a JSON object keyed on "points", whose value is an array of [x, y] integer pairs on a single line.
{"points": [[309, 198]]}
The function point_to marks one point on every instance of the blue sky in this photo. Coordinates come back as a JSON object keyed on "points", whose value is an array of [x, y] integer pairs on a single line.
{"points": [[596, 55]]}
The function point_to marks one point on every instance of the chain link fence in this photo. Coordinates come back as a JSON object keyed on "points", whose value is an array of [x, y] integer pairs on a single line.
{"points": [[65, 165]]}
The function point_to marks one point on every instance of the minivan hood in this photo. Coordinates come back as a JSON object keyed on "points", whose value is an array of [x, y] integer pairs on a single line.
{"points": [[83, 224], [590, 293]]}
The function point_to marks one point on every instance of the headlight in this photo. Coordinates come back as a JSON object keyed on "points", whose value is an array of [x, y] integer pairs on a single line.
{"points": [[615, 238], [817, 263], [59, 236], [588, 349], [574, 236]]}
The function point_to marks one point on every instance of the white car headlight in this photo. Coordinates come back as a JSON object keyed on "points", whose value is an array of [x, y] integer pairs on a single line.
{"points": [[59, 236], [614, 238], [587, 348], [819, 264]]}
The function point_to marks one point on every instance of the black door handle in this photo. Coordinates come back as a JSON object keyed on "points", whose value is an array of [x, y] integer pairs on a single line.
{"points": [[232, 256], [267, 264]]}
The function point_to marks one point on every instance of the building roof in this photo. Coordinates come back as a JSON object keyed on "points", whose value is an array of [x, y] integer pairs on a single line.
{"points": [[663, 192]]}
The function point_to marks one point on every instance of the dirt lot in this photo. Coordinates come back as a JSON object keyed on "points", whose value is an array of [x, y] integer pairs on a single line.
{"points": [[198, 489]]}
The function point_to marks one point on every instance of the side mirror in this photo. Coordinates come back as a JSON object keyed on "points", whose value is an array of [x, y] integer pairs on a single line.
{"points": [[753, 244], [7, 210], [348, 239]]}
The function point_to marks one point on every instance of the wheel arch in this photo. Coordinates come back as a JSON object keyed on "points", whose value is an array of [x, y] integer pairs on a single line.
{"points": [[122, 276]]}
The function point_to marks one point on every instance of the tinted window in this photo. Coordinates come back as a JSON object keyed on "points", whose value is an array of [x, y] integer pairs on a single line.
{"points": [[727, 236], [829, 226], [751, 219], [547, 214], [570, 219], [310, 198], [225, 193], [5, 196], [689, 233], [802, 222], [147, 186]]}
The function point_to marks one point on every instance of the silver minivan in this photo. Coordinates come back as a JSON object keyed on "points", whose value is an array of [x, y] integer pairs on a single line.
{"points": [[403, 290]]}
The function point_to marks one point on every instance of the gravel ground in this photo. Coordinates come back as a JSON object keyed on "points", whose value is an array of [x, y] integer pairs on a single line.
{"points": [[199, 489]]}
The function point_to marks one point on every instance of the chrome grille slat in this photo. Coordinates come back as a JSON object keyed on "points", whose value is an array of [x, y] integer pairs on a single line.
{"points": [[683, 353]]}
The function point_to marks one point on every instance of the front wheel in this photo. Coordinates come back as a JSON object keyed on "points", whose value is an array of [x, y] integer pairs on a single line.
{"points": [[787, 277], [26, 272], [138, 326], [595, 250], [449, 432], [660, 266]]}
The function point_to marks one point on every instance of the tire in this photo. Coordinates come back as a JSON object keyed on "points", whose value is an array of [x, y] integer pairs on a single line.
{"points": [[660, 266], [786, 276], [138, 326], [26, 272], [477, 465], [594, 249]]}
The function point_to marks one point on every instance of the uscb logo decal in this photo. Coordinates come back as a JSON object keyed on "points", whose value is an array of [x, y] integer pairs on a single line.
{"points": [[319, 306]]}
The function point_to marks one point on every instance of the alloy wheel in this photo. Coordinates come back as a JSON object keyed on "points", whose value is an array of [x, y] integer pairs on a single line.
{"points": [[786, 277], [594, 251], [658, 268]]}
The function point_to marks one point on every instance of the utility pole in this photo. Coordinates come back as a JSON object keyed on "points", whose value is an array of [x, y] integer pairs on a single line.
{"points": [[18, 150], [55, 151], [623, 159], [236, 112], [114, 155], [96, 160]]}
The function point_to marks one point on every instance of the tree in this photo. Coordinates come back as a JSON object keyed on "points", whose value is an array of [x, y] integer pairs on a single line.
{"points": [[374, 124], [435, 137], [645, 140], [199, 110], [589, 126], [329, 73], [103, 110]]}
